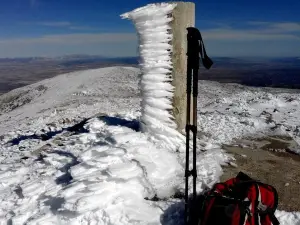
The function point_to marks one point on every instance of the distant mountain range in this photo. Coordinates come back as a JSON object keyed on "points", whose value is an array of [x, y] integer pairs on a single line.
{"points": [[255, 62], [72, 58], [262, 72], [273, 72], [219, 62], [18, 72]]}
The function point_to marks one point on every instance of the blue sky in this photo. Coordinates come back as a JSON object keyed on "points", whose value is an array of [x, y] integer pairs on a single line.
{"points": [[230, 28]]}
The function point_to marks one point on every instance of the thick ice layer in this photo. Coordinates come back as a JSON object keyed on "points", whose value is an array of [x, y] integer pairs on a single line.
{"points": [[152, 24]]}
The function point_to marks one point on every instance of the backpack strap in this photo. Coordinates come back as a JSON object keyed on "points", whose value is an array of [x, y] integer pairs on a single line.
{"points": [[261, 208], [257, 205], [242, 176], [245, 181], [274, 219]]}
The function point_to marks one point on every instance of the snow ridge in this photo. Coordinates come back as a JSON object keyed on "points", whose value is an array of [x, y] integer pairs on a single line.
{"points": [[152, 24]]}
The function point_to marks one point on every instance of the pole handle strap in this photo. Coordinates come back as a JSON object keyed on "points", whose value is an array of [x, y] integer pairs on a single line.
{"points": [[197, 46]]}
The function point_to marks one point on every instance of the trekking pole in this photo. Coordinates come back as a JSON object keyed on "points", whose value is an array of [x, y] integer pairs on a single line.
{"points": [[195, 61], [192, 75], [194, 48], [187, 129]]}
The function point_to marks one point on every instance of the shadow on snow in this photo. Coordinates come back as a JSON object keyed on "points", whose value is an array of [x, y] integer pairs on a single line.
{"points": [[78, 128]]}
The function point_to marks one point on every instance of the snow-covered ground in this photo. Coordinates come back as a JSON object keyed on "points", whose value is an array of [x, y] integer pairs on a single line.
{"points": [[228, 111], [60, 163]]}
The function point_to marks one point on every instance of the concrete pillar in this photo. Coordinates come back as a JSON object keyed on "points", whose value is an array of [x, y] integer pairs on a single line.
{"points": [[183, 17]]}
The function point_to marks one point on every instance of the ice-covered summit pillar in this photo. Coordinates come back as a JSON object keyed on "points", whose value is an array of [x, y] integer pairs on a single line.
{"points": [[162, 34]]}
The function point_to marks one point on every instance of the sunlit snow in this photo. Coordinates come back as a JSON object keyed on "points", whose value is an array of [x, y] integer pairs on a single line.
{"points": [[72, 150]]}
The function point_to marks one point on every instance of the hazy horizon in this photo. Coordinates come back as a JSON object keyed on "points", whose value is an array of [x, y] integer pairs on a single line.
{"points": [[137, 56], [39, 28]]}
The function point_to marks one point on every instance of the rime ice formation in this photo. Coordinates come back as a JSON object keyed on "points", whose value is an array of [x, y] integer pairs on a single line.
{"points": [[152, 24]]}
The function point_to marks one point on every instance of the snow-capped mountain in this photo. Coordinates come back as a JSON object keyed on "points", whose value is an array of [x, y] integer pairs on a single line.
{"points": [[71, 150]]}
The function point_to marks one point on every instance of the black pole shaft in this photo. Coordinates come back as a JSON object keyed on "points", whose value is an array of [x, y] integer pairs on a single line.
{"points": [[188, 112], [195, 94]]}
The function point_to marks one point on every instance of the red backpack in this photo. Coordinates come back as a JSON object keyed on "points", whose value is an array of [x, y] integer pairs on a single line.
{"points": [[239, 201]]}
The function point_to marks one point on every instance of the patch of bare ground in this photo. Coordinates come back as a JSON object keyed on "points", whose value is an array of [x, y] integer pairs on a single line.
{"points": [[271, 161]]}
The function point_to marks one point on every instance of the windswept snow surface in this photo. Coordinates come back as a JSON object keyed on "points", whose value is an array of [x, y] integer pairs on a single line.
{"points": [[57, 167], [228, 111], [62, 164], [71, 96]]}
